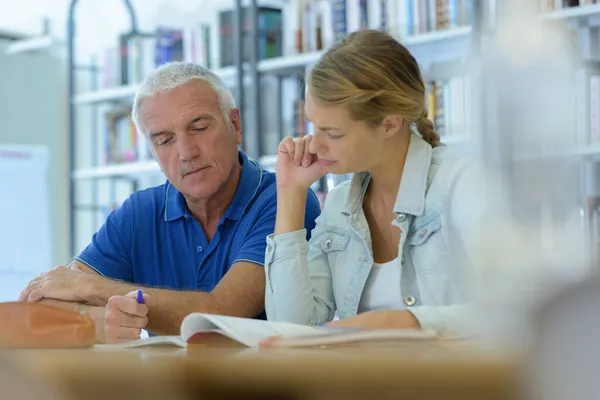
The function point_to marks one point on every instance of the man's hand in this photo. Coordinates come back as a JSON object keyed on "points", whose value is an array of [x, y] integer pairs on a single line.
{"points": [[62, 283], [125, 318], [97, 314]]}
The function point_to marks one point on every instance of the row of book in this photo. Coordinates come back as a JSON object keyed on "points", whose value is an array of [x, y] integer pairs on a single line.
{"points": [[317, 24], [448, 106], [138, 54], [122, 143], [320, 23]]}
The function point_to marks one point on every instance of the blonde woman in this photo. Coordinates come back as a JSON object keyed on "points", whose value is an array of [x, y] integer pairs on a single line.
{"points": [[391, 245]]}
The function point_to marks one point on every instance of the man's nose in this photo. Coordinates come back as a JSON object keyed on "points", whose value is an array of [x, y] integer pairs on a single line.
{"points": [[187, 148]]}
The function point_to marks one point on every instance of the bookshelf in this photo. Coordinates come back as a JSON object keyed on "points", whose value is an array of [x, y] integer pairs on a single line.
{"points": [[443, 54], [273, 66]]}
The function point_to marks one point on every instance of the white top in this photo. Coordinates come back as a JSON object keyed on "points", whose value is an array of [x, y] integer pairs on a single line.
{"points": [[382, 289]]}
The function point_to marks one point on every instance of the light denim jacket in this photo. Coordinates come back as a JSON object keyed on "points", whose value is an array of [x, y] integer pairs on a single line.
{"points": [[440, 204]]}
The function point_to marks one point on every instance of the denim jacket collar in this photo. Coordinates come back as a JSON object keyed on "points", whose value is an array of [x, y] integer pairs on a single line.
{"points": [[411, 195]]}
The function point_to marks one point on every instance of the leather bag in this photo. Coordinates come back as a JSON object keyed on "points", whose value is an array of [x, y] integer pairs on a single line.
{"points": [[36, 325]]}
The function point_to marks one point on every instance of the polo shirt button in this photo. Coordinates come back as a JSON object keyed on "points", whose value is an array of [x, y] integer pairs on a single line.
{"points": [[268, 251], [401, 217], [199, 249]]}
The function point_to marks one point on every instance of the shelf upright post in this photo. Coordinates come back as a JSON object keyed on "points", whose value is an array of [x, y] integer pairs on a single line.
{"points": [[94, 157], [255, 147], [280, 108], [239, 66], [71, 119]]}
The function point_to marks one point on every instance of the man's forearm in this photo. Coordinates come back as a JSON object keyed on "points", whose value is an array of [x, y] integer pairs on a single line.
{"points": [[240, 293], [66, 305], [166, 308], [100, 293]]}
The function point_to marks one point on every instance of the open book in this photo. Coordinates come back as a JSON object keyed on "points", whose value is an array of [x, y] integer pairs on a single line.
{"points": [[210, 330]]}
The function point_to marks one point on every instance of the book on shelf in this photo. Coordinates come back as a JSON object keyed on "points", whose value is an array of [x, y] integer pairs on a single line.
{"points": [[123, 143], [448, 106], [209, 330], [270, 36]]}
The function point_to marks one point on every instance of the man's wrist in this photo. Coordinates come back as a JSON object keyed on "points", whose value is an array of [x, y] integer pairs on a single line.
{"points": [[96, 290], [97, 315]]}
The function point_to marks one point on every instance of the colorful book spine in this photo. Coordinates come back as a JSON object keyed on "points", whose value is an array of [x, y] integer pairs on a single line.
{"points": [[340, 29]]}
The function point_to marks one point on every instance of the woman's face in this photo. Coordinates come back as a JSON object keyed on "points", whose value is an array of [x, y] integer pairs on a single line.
{"points": [[342, 144]]}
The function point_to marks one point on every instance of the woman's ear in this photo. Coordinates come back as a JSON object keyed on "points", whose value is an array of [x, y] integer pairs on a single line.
{"points": [[392, 125]]}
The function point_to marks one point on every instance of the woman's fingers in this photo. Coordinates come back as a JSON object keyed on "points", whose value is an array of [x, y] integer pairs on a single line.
{"points": [[300, 145], [307, 158], [287, 146], [298, 149]]}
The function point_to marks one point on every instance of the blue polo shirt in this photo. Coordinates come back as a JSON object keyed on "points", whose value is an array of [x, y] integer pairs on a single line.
{"points": [[153, 240]]}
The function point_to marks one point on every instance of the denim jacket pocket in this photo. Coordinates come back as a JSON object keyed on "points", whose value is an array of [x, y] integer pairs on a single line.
{"points": [[433, 262], [423, 231], [428, 248], [332, 244]]}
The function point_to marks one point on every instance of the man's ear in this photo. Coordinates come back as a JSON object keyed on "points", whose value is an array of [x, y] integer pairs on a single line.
{"points": [[391, 125], [236, 124]]}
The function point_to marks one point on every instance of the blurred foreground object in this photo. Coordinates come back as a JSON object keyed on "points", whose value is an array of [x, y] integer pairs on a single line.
{"points": [[527, 130], [16, 385], [38, 326], [565, 360]]}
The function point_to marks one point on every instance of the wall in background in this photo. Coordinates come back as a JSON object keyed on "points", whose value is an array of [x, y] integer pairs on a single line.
{"points": [[33, 112]]}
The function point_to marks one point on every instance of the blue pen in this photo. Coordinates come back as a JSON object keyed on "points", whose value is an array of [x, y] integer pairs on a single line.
{"points": [[140, 297]]}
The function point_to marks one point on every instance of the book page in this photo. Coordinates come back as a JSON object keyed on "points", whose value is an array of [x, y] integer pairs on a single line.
{"points": [[333, 337], [244, 330], [149, 341]]}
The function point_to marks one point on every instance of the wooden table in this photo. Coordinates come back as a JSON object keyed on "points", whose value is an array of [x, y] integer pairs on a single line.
{"points": [[407, 372]]}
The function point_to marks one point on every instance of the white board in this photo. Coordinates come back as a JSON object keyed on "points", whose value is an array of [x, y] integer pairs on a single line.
{"points": [[24, 218]]}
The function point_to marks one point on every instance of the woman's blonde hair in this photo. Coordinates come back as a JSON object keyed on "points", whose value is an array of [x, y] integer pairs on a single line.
{"points": [[372, 75]]}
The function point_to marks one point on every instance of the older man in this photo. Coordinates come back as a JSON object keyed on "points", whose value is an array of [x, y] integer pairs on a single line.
{"points": [[194, 244]]}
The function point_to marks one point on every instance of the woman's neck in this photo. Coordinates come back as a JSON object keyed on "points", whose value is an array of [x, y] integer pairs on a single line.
{"points": [[386, 177]]}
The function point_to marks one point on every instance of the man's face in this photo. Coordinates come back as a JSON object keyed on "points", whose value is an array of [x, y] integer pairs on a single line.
{"points": [[192, 141]]}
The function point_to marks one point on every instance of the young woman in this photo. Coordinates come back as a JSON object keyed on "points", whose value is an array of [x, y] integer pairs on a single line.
{"points": [[391, 245]]}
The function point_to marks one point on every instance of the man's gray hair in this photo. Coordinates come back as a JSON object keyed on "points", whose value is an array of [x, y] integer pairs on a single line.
{"points": [[174, 74]]}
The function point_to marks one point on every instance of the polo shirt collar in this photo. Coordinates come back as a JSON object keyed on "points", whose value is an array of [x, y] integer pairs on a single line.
{"points": [[175, 205], [247, 188]]}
